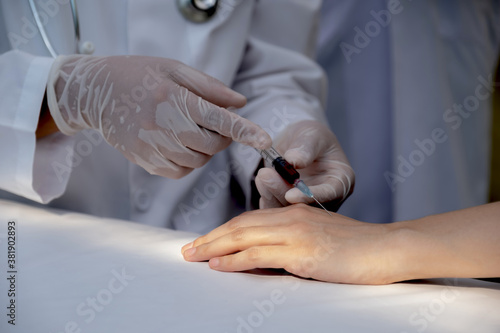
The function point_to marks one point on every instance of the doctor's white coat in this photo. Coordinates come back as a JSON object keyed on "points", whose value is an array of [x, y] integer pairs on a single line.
{"points": [[262, 49]]}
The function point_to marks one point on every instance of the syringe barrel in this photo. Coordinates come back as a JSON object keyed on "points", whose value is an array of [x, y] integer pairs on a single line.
{"points": [[282, 167], [269, 155], [286, 170]]}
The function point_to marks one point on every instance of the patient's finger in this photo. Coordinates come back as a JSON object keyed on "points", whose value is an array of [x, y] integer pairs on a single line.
{"points": [[254, 257], [237, 240], [267, 217]]}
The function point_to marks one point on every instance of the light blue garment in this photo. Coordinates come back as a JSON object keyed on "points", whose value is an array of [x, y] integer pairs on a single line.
{"points": [[396, 71]]}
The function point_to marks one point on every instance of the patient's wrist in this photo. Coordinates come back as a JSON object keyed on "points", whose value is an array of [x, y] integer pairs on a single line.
{"points": [[407, 250]]}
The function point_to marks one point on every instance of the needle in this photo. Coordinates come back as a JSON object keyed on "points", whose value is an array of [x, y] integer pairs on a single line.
{"points": [[304, 189]]}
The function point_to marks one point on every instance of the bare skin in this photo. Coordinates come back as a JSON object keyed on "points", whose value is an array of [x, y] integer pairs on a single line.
{"points": [[46, 125], [307, 242]]}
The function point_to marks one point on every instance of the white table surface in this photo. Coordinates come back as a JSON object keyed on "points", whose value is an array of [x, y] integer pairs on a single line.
{"points": [[67, 267]]}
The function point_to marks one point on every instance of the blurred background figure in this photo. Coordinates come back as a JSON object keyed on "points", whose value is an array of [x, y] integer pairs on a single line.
{"points": [[410, 91]]}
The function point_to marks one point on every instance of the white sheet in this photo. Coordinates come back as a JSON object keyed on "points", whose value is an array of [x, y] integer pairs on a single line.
{"points": [[66, 261]]}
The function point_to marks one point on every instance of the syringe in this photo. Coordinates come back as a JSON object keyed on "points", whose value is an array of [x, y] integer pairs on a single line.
{"points": [[288, 172]]}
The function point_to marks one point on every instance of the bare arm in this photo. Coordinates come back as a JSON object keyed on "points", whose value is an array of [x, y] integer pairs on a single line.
{"points": [[46, 124], [463, 243], [307, 242]]}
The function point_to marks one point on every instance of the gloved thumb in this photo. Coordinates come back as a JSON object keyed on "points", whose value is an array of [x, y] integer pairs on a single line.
{"points": [[303, 143], [272, 188]]}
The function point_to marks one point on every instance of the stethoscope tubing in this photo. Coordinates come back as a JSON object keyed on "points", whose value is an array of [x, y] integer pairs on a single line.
{"points": [[41, 29], [76, 23]]}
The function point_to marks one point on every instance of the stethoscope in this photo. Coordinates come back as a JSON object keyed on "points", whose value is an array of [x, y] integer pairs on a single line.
{"points": [[197, 11]]}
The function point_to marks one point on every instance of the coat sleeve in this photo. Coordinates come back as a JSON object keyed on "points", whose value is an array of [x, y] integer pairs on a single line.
{"points": [[29, 168], [282, 83]]}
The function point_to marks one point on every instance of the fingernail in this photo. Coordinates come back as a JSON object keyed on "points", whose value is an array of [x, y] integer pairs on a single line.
{"points": [[240, 96], [238, 100], [214, 262], [190, 252], [187, 246], [264, 142]]}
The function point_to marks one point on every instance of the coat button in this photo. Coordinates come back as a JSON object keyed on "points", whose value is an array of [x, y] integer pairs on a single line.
{"points": [[86, 48], [142, 200]]}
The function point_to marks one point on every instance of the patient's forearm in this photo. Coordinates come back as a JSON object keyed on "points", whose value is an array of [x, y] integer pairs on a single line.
{"points": [[464, 243]]}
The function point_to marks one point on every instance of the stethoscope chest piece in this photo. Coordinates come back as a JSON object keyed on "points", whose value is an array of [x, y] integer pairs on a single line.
{"points": [[197, 11]]}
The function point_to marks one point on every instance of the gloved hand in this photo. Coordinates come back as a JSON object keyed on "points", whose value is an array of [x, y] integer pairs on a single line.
{"points": [[316, 154], [159, 113]]}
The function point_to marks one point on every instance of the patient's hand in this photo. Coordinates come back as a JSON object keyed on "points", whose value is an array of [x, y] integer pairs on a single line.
{"points": [[303, 240]]}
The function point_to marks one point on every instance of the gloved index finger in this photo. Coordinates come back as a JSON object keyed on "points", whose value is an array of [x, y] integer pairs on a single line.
{"points": [[227, 123], [207, 87]]}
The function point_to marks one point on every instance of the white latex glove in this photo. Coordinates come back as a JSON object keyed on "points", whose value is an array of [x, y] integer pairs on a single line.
{"points": [[159, 113], [317, 155]]}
